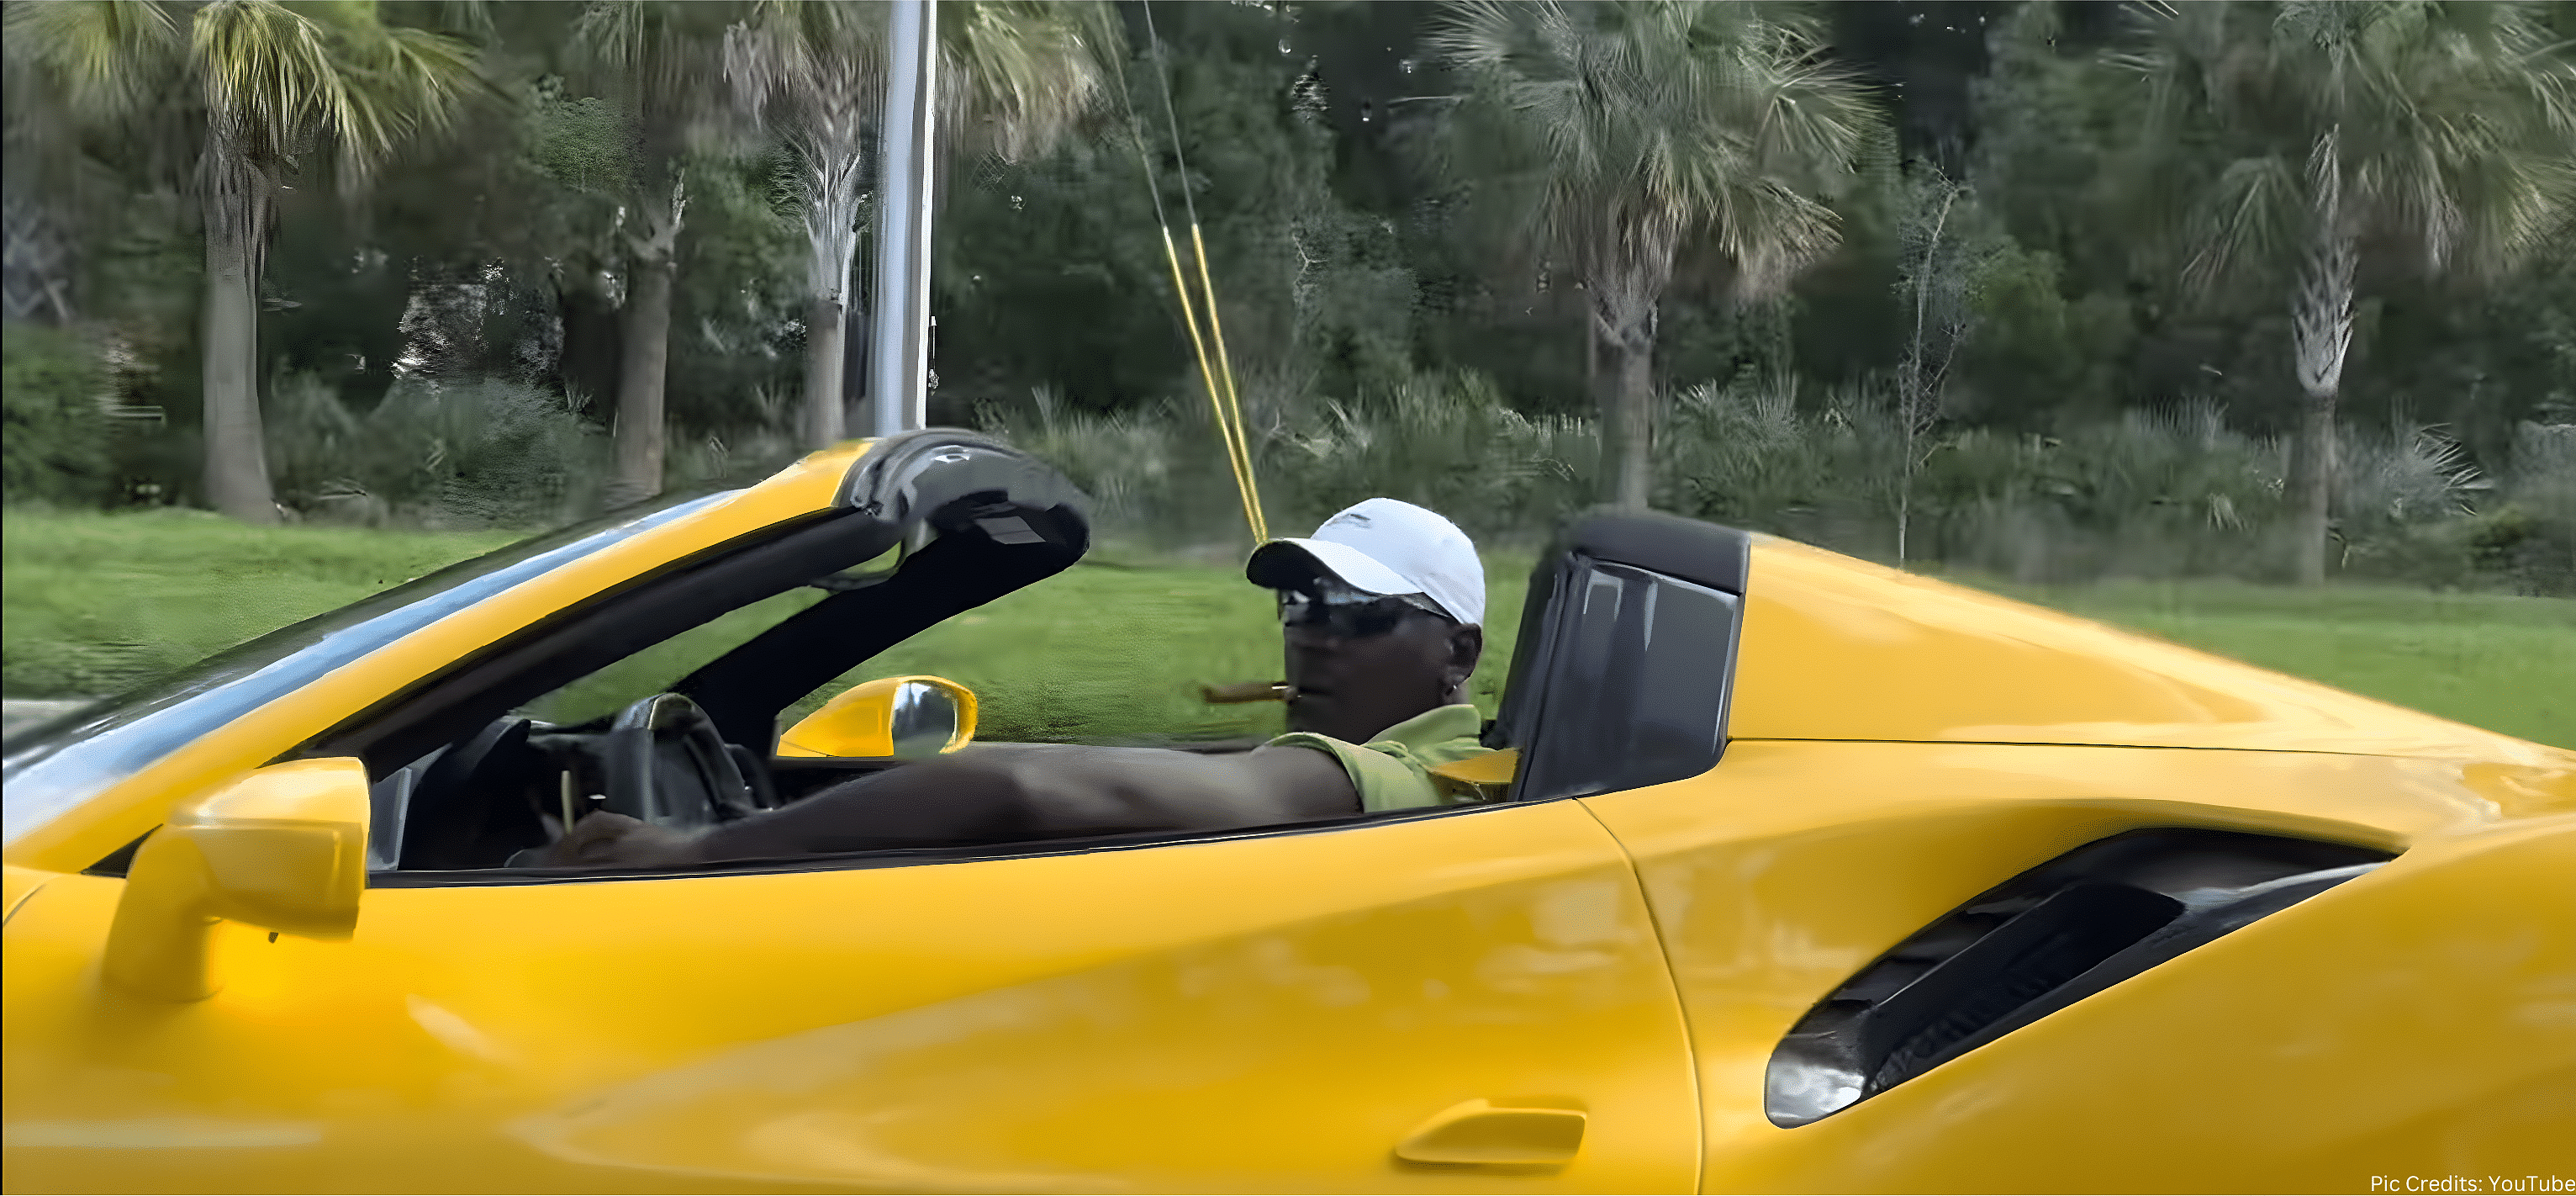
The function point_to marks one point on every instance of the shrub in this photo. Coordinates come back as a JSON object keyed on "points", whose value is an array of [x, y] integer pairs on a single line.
{"points": [[2149, 494], [1448, 443], [2175, 493], [435, 454], [58, 447], [740, 455], [1451, 444], [1752, 455], [2532, 539]]}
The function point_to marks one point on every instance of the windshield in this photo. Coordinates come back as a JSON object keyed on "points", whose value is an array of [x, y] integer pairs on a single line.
{"points": [[124, 734]]}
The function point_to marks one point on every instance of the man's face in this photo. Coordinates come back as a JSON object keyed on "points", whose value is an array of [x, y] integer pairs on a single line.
{"points": [[1353, 686]]}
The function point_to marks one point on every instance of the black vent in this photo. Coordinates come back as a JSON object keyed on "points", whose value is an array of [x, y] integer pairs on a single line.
{"points": [[2035, 944]]}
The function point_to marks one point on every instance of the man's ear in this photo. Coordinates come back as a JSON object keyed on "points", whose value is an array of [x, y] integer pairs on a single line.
{"points": [[1466, 647]]}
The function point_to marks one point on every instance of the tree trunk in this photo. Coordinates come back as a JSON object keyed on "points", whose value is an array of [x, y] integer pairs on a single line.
{"points": [[1905, 500], [2311, 486], [593, 337], [1591, 358], [647, 339], [236, 472], [1628, 414], [644, 346], [2321, 332], [834, 167], [1630, 266], [826, 333], [1918, 385]]}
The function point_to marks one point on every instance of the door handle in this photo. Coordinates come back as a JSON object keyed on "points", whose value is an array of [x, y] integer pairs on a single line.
{"points": [[1481, 1133]]}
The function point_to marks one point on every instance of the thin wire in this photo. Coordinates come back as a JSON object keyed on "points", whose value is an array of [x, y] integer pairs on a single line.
{"points": [[1227, 403], [1237, 461], [1230, 421], [1233, 394]]}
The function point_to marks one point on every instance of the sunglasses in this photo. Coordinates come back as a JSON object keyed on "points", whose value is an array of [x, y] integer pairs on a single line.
{"points": [[1351, 615]]}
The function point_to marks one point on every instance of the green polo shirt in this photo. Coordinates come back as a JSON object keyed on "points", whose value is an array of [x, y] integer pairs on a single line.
{"points": [[1393, 771]]}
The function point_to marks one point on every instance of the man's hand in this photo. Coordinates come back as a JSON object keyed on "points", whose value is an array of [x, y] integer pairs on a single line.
{"points": [[615, 840]]}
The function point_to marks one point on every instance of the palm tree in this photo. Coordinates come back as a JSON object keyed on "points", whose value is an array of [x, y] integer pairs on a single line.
{"points": [[1623, 134], [1015, 77], [258, 84], [2437, 136], [658, 61]]}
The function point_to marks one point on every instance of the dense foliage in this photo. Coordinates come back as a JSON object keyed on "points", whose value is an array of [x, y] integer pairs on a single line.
{"points": [[2001, 345]]}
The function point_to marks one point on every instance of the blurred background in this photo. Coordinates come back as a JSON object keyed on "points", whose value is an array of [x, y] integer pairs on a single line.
{"points": [[2252, 325]]}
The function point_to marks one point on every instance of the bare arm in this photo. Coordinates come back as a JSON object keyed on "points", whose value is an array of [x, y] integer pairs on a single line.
{"points": [[1001, 794]]}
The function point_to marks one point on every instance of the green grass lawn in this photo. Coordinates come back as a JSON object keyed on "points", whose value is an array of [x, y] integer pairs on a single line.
{"points": [[96, 603], [1114, 648]]}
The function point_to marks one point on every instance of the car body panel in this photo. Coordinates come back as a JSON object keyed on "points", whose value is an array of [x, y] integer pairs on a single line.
{"points": [[1186, 1018], [2414, 1022], [1837, 648], [1785, 870], [16, 886]]}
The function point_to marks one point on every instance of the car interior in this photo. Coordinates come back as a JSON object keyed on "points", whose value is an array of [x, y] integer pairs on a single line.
{"points": [[476, 771], [467, 777]]}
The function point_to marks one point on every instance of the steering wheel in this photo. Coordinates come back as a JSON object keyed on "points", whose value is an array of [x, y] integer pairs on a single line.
{"points": [[451, 822], [666, 764]]}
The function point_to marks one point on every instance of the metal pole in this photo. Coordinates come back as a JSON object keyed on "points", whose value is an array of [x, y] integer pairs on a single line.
{"points": [[899, 334]]}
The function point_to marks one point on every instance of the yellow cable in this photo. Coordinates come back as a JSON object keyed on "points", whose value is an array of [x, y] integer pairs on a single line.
{"points": [[1234, 423], [1225, 403], [1239, 445], [1235, 458]]}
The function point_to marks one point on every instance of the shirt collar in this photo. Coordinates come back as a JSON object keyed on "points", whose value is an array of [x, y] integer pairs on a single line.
{"points": [[1437, 725]]}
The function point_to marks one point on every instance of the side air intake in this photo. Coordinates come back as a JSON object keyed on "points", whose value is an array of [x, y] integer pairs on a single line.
{"points": [[2035, 944]]}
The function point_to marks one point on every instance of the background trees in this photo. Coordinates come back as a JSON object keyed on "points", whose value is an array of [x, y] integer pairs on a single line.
{"points": [[259, 85], [2429, 136], [1015, 78], [1627, 135], [1420, 289], [657, 63]]}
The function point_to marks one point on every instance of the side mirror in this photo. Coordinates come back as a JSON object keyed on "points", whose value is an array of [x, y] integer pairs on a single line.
{"points": [[283, 848], [904, 717]]}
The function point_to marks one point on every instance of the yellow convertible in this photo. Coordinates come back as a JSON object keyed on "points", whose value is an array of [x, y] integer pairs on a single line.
{"points": [[1804, 874]]}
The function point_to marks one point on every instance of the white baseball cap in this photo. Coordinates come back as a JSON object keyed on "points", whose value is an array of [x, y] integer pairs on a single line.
{"points": [[1382, 546]]}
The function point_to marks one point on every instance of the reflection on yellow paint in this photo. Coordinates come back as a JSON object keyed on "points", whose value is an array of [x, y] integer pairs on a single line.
{"points": [[162, 1133], [1179, 1019], [1835, 648]]}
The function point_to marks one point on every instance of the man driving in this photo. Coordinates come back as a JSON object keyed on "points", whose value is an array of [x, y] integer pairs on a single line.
{"points": [[1381, 618]]}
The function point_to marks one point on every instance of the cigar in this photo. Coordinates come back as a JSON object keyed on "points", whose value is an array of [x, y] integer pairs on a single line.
{"points": [[1245, 691]]}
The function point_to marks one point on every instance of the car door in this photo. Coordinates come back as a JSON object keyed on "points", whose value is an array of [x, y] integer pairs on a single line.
{"points": [[1236, 1013]]}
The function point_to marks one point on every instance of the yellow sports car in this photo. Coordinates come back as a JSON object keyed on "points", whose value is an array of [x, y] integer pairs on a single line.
{"points": [[1800, 874]]}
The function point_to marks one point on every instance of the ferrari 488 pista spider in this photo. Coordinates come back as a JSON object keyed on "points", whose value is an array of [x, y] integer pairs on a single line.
{"points": [[1801, 874]]}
